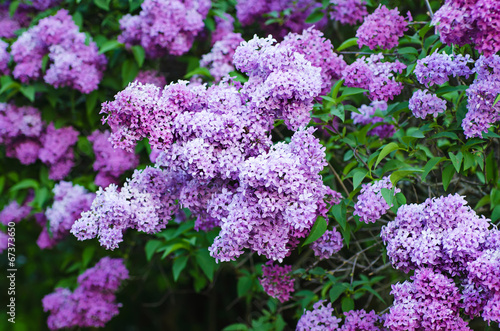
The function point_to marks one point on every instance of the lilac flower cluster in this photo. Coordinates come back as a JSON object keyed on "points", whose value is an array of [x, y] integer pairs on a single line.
{"points": [[319, 319], [4, 241], [375, 76], [164, 27], [220, 59], [282, 82], [72, 62], [367, 116], [151, 77], [435, 68], [92, 303], [327, 245], [110, 162], [42, 5], [382, 29], [13, 212], [423, 104], [319, 51], [360, 320], [223, 27], [481, 96], [69, 202], [4, 58], [462, 21], [9, 25], [371, 204], [276, 281], [348, 11]]}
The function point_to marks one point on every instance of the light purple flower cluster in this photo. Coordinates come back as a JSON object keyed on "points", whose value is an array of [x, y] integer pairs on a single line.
{"points": [[110, 162], [42, 5], [319, 51], [276, 281], [328, 244], [423, 104], [319, 319], [435, 68], [92, 303], [481, 96], [282, 83], [223, 27], [430, 302], [462, 21], [220, 59], [348, 11], [151, 77], [367, 116], [9, 25], [371, 204], [13, 212], [375, 76], [360, 320], [382, 29], [72, 62], [146, 203], [4, 58], [164, 26], [69, 202]]}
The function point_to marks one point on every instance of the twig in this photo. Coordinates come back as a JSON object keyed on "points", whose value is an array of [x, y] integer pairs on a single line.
{"points": [[431, 14]]}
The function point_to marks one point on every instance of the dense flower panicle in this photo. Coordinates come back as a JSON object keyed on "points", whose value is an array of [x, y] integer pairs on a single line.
{"points": [[69, 202], [92, 303], [430, 302], [13, 212], [462, 22], [57, 150], [164, 26], [282, 83], [328, 244], [72, 62], [319, 51], [110, 162], [435, 69], [367, 116], [382, 29], [279, 198], [151, 77], [9, 25], [371, 204], [375, 76], [4, 58], [220, 59], [348, 11], [223, 27], [319, 319], [360, 320], [423, 104], [42, 5], [146, 202], [4, 241], [276, 281]]}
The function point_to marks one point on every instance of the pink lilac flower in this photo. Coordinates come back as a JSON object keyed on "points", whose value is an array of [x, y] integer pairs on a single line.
{"points": [[220, 59], [276, 281], [13, 212], [382, 29], [371, 204], [348, 11], [72, 62], [328, 244], [319, 319], [367, 116], [375, 76], [151, 77], [360, 320], [437, 67], [423, 104], [4, 58], [92, 303], [164, 27], [110, 162]]}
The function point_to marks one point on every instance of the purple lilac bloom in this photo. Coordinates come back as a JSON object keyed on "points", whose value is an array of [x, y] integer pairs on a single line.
{"points": [[110, 162], [367, 116], [92, 303], [4, 241], [327, 245], [69, 202], [423, 104], [219, 61], [435, 68], [151, 77], [42, 5], [319, 319], [276, 281], [348, 11], [4, 58], [9, 25], [360, 320], [13, 212], [371, 204], [72, 62], [375, 76], [223, 27], [382, 29], [164, 27]]}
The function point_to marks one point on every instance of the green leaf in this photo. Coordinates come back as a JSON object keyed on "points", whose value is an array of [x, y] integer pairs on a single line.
{"points": [[25, 183], [103, 4], [339, 212], [87, 255], [348, 43], [408, 50], [339, 112], [447, 89], [336, 88], [336, 291], [206, 263], [317, 230], [244, 286], [199, 71], [468, 160], [357, 178], [400, 198], [388, 195], [430, 165], [315, 16], [448, 173], [129, 71], [456, 160], [390, 147], [45, 61], [495, 214], [236, 327], [352, 91], [13, 7], [371, 290], [491, 168], [396, 176], [347, 304], [28, 92], [179, 265], [151, 247], [139, 54], [109, 46], [496, 99]]}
